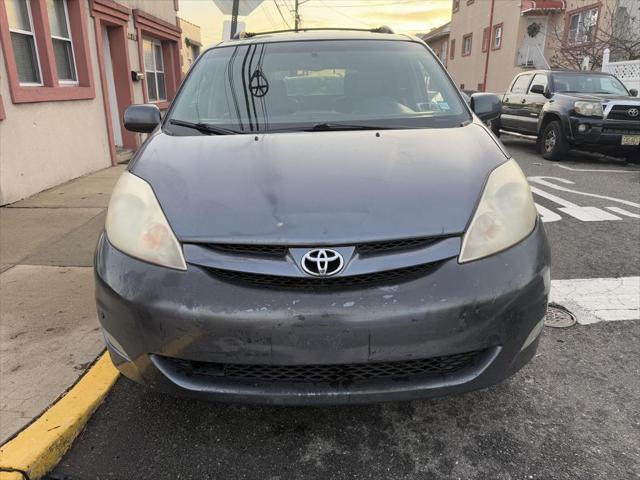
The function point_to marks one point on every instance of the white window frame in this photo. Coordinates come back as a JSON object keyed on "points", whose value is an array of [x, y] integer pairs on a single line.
{"points": [[466, 38], [581, 19], [497, 39], [155, 70], [32, 33], [70, 40]]}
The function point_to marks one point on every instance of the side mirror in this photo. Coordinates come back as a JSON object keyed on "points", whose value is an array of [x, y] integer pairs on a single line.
{"points": [[142, 118], [633, 92], [486, 106], [539, 89]]}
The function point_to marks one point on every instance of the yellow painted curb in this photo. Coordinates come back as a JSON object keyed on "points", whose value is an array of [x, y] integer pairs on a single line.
{"points": [[40, 446]]}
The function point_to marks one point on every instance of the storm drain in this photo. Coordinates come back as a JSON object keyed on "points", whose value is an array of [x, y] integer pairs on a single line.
{"points": [[559, 317]]}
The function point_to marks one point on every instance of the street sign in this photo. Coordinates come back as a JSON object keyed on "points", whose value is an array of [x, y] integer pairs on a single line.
{"points": [[226, 29], [245, 7]]}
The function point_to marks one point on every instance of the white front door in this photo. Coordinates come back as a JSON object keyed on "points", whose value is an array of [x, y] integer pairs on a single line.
{"points": [[535, 33], [111, 89]]}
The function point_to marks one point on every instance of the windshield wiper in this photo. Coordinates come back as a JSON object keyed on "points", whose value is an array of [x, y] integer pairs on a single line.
{"points": [[327, 126], [204, 127]]}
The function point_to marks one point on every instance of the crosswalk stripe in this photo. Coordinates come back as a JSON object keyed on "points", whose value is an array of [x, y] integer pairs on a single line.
{"points": [[624, 212], [594, 300]]}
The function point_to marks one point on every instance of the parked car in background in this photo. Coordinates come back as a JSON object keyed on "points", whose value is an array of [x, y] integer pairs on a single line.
{"points": [[572, 109], [316, 238]]}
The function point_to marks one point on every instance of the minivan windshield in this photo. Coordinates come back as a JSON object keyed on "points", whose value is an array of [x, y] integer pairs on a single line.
{"points": [[319, 85], [588, 83]]}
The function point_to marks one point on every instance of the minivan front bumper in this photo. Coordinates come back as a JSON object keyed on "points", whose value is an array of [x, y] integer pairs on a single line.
{"points": [[178, 331]]}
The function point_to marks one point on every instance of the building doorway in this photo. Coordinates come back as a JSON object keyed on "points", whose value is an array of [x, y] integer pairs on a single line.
{"points": [[112, 96]]}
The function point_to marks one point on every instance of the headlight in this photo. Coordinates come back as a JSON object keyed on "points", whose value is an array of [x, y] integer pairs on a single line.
{"points": [[136, 225], [588, 109], [505, 215]]}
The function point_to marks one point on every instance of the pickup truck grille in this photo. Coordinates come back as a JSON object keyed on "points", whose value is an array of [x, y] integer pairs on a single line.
{"points": [[619, 112]]}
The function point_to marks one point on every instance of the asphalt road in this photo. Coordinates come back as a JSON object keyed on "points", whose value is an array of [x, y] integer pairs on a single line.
{"points": [[571, 413], [600, 242]]}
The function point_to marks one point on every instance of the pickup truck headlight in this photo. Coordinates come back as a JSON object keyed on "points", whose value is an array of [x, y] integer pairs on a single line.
{"points": [[505, 215], [137, 226], [588, 109]]}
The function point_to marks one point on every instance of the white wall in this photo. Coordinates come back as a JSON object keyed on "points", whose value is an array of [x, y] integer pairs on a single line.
{"points": [[44, 144]]}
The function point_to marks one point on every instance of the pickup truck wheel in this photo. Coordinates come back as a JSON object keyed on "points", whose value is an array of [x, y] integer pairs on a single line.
{"points": [[552, 142]]}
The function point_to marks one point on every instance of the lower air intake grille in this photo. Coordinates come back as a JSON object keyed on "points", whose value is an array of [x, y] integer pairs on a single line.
{"points": [[346, 373], [622, 131], [314, 284]]}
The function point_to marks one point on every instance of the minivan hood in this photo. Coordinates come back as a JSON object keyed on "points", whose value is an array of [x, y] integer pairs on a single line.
{"points": [[315, 188]]}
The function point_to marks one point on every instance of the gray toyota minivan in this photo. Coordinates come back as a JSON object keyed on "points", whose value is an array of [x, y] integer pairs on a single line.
{"points": [[321, 218]]}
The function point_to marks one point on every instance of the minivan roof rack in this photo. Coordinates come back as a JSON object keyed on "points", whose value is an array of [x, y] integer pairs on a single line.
{"points": [[243, 34]]}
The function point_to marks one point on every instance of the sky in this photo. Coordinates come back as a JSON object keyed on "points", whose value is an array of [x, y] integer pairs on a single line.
{"points": [[404, 16]]}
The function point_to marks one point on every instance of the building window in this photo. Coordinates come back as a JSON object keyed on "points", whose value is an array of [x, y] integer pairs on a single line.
{"points": [[485, 39], [154, 71], [466, 45], [46, 50], [582, 26], [61, 39], [23, 41], [497, 37], [456, 5], [452, 50], [443, 54], [195, 53]]}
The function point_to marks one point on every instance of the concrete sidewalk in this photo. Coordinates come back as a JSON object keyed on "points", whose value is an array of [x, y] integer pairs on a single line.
{"points": [[49, 332]]}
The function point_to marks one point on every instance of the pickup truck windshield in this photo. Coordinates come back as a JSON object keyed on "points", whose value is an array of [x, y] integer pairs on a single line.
{"points": [[588, 83], [316, 85]]}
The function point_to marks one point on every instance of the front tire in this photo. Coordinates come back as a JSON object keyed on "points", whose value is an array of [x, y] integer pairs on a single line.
{"points": [[553, 144]]}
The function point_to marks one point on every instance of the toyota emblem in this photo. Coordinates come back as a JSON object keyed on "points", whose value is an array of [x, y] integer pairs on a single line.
{"points": [[322, 262], [633, 112]]}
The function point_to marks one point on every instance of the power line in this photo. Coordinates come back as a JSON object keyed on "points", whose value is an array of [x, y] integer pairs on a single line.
{"points": [[280, 12], [270, 19], [344, 14]]}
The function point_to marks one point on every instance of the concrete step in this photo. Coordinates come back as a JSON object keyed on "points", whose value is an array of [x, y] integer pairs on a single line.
{"points": [[124, 154]]}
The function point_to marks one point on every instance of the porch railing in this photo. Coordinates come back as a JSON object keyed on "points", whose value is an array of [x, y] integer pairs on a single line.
{"points": [[628, 72]]}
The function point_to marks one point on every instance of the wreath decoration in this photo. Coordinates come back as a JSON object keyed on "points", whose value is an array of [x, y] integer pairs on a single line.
{"points": [[533, 29]]}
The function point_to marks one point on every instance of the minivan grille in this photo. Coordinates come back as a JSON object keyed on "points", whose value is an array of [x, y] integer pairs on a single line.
{"points": [[395, 245], [250, 250], [340, 373], [367, 248], [314, 284]]}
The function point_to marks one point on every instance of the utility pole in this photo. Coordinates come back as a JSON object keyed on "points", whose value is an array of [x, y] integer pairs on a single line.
{"points": [[234, 17], [296, 16]]}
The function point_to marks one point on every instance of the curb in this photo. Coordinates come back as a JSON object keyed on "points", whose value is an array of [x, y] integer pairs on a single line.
{"points": [[39, 447]]}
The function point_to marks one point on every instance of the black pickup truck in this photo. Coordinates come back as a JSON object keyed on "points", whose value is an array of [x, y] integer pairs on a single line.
{"points": [[572, 109]]}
